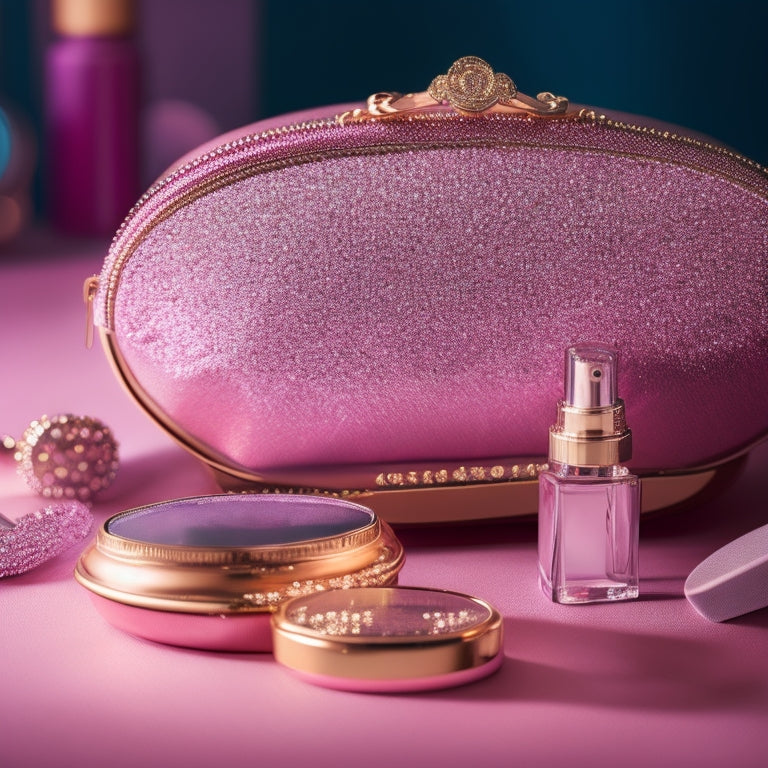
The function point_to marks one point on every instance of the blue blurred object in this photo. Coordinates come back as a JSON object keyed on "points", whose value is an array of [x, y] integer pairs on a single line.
{"points": [[17, 162], [5, 143], [20, 116]]}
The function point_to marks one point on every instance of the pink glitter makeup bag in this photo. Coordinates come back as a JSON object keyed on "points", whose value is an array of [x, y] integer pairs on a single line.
{"points": [[376, 303]]}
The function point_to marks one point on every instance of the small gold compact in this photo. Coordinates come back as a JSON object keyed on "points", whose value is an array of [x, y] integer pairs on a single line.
{"points": [[207, 572], [391, 639]]}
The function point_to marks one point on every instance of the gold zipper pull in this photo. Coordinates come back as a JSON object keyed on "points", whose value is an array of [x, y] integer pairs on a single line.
{"points": [[90, 287], [470, 88]]}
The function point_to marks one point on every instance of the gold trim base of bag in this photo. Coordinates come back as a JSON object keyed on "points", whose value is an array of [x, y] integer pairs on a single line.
{"points": [[493, 500], [422, 493]]}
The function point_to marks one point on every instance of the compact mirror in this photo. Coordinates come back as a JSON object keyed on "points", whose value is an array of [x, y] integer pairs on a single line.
{"points": [[240, 521], [207, 572]]}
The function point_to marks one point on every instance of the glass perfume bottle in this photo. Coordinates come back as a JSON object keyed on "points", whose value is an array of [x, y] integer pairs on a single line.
{"points": [[589, 504]]}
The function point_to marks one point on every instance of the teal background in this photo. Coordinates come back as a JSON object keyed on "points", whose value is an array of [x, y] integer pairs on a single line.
{"points": [[703, 65], [5, 142]]}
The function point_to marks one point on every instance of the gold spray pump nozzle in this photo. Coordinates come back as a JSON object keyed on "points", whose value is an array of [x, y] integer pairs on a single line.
{"points": [[591, 430]]}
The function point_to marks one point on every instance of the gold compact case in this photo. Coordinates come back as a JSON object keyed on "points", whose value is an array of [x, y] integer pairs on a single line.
{"points": [[387, 640], [207, 572]]}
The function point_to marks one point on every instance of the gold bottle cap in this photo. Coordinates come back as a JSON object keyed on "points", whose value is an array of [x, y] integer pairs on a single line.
{"points": [[96, 18], [591, 429], [237, 553], [388, 639]]}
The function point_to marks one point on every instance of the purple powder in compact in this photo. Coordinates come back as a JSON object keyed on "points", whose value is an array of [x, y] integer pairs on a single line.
{"points": [[240, 521]]}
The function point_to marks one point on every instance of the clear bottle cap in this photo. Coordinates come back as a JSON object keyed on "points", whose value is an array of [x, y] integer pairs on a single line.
{"points": [[590, 376]]}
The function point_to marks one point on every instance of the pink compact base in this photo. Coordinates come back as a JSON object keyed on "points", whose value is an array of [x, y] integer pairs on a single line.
{"points": [[412, 685], [243, 633], [208, 572]]}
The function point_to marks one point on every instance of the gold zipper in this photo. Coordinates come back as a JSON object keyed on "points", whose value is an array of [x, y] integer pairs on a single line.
{"points": [[590, 116], [90, 288]]}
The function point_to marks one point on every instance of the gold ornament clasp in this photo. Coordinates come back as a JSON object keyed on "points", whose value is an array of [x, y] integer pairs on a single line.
{"points": [[471, 85], [469, 88]]}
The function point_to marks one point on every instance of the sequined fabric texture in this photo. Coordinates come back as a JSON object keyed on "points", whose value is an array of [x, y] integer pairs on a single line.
{"points": [[403, 292], [42, 535]]}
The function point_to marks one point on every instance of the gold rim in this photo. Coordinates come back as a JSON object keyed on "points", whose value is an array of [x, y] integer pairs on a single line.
{"points": [[236, 579], [327, 634], [265, 557]]}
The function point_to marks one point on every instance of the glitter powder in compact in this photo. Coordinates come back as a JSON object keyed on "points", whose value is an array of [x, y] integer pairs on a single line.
{"points": [[388, 640], [207, 572]]}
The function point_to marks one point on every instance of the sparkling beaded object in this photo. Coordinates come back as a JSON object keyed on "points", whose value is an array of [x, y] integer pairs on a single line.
{"points": [[67, 457], [41, 535]]}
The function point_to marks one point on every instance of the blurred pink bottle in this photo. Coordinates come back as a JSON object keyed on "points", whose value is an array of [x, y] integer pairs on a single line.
{"points": [[92, 102]]}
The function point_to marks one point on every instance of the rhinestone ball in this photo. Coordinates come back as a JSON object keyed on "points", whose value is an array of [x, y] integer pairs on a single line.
{"points": [[67, 457]]}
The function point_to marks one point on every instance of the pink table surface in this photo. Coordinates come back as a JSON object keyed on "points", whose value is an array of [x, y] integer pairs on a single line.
{"points": [[637, 684]]}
